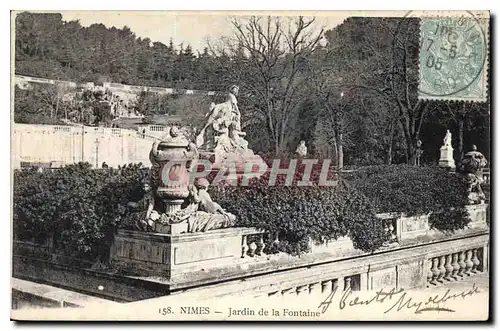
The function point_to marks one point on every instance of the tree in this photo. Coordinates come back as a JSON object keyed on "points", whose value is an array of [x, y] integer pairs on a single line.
{"points": [[333, 121], [463, 115], [150, 104], [270, 53], [45, 103], [380, 135], [381, 57]]}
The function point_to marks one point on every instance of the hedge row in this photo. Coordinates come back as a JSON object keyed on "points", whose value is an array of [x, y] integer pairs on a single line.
{"points": [[415, 191], [79, 208], [75, 207]]}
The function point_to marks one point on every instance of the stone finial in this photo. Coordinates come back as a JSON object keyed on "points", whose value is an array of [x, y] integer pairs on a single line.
{"points": [[471, 168]]}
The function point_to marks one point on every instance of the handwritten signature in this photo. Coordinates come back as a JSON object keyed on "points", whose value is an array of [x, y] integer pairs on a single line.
{"points": [[404, 300]]}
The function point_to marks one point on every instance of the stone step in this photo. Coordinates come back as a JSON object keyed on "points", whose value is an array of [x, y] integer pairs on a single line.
{"points": [[26, 293]]}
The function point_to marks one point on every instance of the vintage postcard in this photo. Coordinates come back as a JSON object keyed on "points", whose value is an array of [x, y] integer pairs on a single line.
{"points": [[244, 166]]}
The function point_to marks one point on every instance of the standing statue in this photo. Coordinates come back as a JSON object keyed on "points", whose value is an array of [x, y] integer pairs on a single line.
{"points": [[446, 159], [418, 152], [447, 139], [471, 167], [221, 140], [301, 149], [235, 112]]}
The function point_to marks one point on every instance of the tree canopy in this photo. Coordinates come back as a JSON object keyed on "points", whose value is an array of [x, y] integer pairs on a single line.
{"points": [[352, 97]]}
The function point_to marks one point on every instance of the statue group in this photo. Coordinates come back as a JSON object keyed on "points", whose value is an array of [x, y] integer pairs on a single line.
{"points": [[222, 133], [170, 198]]}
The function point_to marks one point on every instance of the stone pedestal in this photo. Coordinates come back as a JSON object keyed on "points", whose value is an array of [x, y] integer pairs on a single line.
{"points": [[477, 214], [169, 255], [446, 159]]}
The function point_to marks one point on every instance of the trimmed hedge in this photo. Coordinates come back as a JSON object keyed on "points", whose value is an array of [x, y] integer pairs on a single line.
{"points": [[75, 207], [415, 191], [78, 208], [298, 214]]}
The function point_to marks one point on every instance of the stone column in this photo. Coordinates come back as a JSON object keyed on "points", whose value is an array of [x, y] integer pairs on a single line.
{"points": [[485, 257], [363, 281]]}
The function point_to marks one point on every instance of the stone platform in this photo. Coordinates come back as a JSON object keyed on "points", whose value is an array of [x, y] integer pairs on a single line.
{"points": [[170, 255]]}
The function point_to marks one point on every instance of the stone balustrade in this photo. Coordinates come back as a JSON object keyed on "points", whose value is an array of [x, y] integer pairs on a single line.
{"points": [[402, 229], [72, 144], [253, 244], [403, 268], [24, 81], [231, 262], [455, 266], [324, 287]]}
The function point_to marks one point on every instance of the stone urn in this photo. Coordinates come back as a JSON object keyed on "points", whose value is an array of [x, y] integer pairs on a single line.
{"points": [[171, 160]]}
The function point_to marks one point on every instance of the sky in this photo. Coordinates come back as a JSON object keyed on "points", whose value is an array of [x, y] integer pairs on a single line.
{"points": [[183, 27]]}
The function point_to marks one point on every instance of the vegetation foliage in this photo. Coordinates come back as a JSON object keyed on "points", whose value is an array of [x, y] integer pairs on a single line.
{"points": [[77, 209], [415, 191], [351, 97]]}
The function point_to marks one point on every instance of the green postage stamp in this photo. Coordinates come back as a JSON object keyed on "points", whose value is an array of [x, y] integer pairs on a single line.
{"points": [[454, 58]]}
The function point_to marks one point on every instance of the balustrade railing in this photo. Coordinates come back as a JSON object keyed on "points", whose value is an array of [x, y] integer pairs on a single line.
{"points": [[62, 128], [454, 266], [486, 176], [323, 287], [158, 128], [253, 244]]}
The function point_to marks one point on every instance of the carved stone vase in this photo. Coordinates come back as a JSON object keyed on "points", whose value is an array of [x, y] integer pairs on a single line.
{"points": [[171, 160]]}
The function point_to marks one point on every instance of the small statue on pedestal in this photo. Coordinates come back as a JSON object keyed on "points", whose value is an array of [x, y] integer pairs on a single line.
{"points": [[446, 159], [471, 167], [447, 139], [301, 149]]}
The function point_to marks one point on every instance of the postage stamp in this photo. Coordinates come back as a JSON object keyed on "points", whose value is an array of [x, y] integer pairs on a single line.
{"points": [[250, 166], [453, 58]]}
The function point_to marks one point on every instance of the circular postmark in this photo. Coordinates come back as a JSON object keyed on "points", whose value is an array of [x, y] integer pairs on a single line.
{"points": [[453, 53]]}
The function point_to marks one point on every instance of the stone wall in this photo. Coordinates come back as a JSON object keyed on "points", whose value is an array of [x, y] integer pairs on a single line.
{"points": [[71, 144], [24, 82]]}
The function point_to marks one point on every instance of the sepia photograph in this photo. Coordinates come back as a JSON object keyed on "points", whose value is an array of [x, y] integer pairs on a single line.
{"points": [[250, 166]]}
